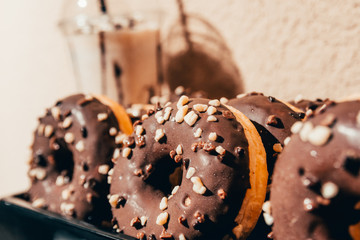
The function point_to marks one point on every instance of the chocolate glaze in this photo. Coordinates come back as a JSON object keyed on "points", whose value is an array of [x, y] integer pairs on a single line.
{"points": [[54, 156], [299, 207], [147, 175]]}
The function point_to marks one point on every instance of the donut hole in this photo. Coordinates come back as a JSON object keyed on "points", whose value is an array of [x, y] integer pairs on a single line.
{"points": [[64, 162], [166, 176]]}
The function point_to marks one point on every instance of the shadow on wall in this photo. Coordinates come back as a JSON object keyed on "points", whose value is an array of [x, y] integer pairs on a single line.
{"points": [[197, 57]]}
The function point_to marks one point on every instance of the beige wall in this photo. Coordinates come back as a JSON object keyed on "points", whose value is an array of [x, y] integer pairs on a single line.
{"points": [[280, 47]]}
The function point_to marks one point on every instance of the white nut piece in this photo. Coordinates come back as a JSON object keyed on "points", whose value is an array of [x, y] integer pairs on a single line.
{"points": [[139, 130], [287, 140], [55, 112], [162, 218], [41, 129], [182, 237], [329, 190], [212, 136], [211, 119], [102, 117], [319, 135], [220, 150], [190, 172], [179, 117], [113, 131], [241, 95], [80, 146], [163, 203], [198, 186], [67, 122], [211, 110], [159, 134], [126, 152], [200, 107], [69, 137], [39, 203], [198, 133], [269, 220], [175, 189], [224, 100], [214, 102], [104, 169], [305, 131], [191, 118], [48, 131], [179, 149], [116, 153], [296, 127], [182, 101], [120, 138], [113, 200], [143, 220]]}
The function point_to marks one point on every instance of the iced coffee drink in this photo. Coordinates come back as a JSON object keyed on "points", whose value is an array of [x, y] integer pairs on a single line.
{"points": [[116, 56]]}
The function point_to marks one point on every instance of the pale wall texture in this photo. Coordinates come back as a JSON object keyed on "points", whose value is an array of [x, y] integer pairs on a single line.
{"points": [[281, 47]]}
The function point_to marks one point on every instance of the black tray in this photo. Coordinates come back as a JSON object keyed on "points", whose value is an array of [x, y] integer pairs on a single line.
{"points": [[20, 221]]}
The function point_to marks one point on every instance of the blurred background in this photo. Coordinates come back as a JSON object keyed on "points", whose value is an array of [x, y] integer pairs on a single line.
{"points": [[281, 48]]}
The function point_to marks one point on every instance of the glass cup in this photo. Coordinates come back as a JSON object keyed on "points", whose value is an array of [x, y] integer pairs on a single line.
{"points": [[114, 47]]}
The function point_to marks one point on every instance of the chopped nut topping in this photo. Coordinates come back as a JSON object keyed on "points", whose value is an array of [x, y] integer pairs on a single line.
{"points": [[55, 112], [40, 130], [228, 114], [296, 127], [162, 218], [67, 122], [269, 220], [198, 186], [172, 154], [104, 169], [109, 179], [329, 190], [140, 236], [113, 200], [126, 152], [67, 208], [182, 237], [39, 203], [138, 172], [179, 117], [135, 222], [319, 135], [190, 172], [61, 180], [165, 235], [200, 107], [167, 116], [65, 194], [175, 189], [322, 201], [266, 207], [182, 101], [309, 205], [178, 158], [211, 110], [38, 173], [163, 203], [211, 119], [305, 131], [120, 138], [139, 130], [179, 149], [143, 220], [102, 117], [224, 100], [287, 140], [220, 150], [143, 117], [116, 153], [187, 201], [241, 95], [80, 146], [198, 133], [191, 118], [159, 134], [215, 103], [277, 147], [179, 90], [160, 120], [212, 136], [182, 219], [221, 193], [48, 131], [111, 172], [69, 137], [113, 131]]}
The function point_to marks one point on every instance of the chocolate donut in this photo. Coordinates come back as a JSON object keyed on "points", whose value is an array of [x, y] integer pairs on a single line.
{"points": [[316, 183], [193, 170], [71, 156], [273, 120], [308, 106]]}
